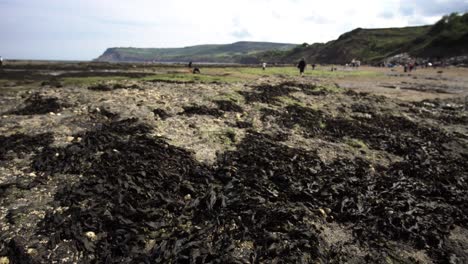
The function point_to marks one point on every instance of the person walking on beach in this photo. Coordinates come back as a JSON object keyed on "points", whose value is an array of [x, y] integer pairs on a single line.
{"points": [[264, 65], [302, 65], [1, 61]]}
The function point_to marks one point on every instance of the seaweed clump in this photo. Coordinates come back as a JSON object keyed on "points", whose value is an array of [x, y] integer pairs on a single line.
{"points": [[38, 104]]}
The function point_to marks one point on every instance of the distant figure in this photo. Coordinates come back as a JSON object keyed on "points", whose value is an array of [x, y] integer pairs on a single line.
{"points": [[190, 64], [264, 65], [302, 65], [405, 68], [313, 66], [1, 61], [196, 70]]}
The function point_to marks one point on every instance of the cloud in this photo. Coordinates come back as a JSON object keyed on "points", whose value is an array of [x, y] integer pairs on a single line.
{"points": [[386, 15], [407, 10], [123, 22], [319, 19], [433, 7], [276, 15], [241, 34], [236, 21]]}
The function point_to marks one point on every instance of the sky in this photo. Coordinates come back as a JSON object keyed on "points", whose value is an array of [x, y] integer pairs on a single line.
{"points": [[84, 29]]}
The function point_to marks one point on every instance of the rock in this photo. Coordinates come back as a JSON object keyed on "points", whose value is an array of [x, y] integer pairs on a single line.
{"points": [[150, 245], [187, 197], [4, 260], [322, 211], [70, 139], [32, 252], [91, 235]]}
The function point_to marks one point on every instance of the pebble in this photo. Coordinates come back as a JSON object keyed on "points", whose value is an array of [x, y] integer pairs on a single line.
{"points": [[187, 197], [91, 235], [70, 139], [150, 245], [32, 252], [322, 211], [4, 260]]}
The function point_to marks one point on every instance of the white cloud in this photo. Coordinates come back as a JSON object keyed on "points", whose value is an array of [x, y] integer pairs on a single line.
{"points": [[82, 29]]}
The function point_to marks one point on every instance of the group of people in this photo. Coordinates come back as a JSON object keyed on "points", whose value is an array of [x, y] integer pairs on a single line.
{"points": [[301, 66], [408, 67]]}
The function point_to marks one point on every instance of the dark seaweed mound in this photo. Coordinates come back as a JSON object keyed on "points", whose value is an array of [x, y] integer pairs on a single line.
{"points": [[161, 113], [202, 110], [107, 87], [19, 144], [394, 134], [229, 106], [37, 104], [269, 94], [139, 189]]}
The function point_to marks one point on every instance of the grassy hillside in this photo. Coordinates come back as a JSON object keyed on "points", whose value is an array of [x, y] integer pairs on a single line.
{"points": [[364, 44], [446, 38], [236, 52]]}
